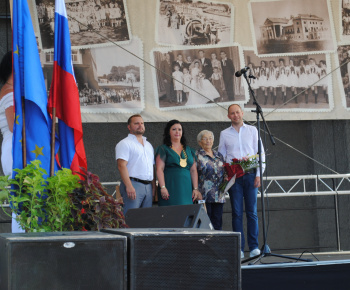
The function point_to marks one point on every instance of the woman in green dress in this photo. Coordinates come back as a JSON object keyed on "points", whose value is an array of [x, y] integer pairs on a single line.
{"points": [[176, 168]]}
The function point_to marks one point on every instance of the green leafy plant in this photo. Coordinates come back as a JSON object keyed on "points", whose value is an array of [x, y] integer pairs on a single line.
{"points": [[43, 205], [62, 202], [58, 202], [4, 191], [96, 209]]}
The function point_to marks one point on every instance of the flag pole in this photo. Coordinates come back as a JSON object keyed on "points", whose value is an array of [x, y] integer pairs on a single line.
{"points": [[24, 138], [52, 164]]}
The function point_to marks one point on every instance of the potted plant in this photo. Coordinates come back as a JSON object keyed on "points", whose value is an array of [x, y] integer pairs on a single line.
{"points": [[62, 202]]}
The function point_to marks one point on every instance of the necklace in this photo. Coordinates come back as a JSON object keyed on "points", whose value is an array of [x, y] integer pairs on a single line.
{"points": [[9, 84], [183, 162]]}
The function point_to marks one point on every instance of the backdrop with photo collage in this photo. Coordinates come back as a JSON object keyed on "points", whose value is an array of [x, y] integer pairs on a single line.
{"points": [[125, 52]]}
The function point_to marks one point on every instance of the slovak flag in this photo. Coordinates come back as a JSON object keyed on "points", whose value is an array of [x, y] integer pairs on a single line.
{"points": [[64, 96]]}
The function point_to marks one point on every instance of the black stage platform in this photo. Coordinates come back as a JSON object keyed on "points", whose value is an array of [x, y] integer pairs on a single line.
{"points": [[331, 271]]}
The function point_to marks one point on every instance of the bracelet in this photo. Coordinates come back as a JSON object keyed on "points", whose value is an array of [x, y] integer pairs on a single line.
{"points": [[196, 188], [162, 187]]}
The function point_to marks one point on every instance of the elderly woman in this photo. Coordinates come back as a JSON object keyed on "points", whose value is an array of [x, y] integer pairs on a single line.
{"points": [[210, 175], [176, 168]]}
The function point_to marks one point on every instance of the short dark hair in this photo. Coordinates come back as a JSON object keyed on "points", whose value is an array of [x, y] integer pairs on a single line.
{"points": [[166, 135], [6, 67], [133, 116]]}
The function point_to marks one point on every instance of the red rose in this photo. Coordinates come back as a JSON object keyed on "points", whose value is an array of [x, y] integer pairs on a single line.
{"points": [[238, 170], [229, 170]]}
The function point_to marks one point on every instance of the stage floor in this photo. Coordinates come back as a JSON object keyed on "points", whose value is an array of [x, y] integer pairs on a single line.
{"points": [[315, 256], [327, 271]]}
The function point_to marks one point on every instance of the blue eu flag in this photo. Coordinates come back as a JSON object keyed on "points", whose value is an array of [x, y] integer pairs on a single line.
{"points": [[29, 87]]}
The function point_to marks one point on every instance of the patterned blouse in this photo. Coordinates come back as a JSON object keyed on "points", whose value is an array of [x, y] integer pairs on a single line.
{"points": [[210, 175]]}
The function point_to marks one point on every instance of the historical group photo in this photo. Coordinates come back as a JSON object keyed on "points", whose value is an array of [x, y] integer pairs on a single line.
{"points": [[344, 70], [87, 19], [292, 27], [194, 23], [197, 77], [278, 81], [345, 20], [109, 79]]}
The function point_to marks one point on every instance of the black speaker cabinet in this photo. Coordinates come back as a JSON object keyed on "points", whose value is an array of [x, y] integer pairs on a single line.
{"points": [[65, 260], [176, 216], [182, 259]]}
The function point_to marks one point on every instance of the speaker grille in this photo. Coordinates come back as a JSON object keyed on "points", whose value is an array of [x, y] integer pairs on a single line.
{"points": [[185, 262], [89, 261]]}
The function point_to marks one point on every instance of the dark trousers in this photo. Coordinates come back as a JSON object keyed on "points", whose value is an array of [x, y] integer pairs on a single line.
{"points": [[214, 211], [229, 88], [244, 192]]}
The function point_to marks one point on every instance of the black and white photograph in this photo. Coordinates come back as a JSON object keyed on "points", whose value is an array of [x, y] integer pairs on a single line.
{"points": [[92, 23], [345, 20], [290, 82], [109, 79], [194, 22], [344, 72], [198, 77], [292, 27]]}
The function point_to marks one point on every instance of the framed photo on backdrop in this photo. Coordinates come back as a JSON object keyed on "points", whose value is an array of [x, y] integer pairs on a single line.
{"points": [[194, 23], [292, 27], [344, 20], [110, 79], [291, 83], [92, 23], [343, 62], [197, 77]]}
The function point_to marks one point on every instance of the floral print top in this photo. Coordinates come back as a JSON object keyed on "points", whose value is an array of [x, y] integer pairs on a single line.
{"points": [[210, 175]]}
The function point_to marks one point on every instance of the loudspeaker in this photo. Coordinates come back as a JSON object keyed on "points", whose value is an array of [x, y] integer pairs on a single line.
{"points": [[63, 260], [176, 216], [182, 259]]}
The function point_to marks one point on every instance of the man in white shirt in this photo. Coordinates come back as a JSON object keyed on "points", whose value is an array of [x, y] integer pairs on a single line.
{"points": [[238, 141], [135, 158]]}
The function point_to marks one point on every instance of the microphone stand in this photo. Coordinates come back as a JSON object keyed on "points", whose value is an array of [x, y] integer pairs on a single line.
{"points": [[265, 250]]}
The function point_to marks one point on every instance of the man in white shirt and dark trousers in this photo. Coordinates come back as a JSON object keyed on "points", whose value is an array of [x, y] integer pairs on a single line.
{"points": [[135, 159], [238, 141]]}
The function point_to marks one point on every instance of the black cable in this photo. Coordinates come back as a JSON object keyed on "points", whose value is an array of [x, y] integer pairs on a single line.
{"points": [[304, 253], [151, 65], [250, 123]]}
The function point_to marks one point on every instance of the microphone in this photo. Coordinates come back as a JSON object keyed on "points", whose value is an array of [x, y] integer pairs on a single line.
{"points": [[242, 71]]}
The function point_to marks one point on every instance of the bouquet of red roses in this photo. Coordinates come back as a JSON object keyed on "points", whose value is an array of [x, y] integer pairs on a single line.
{"points": [[237, 168]]}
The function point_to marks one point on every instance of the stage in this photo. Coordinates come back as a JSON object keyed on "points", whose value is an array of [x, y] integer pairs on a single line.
{"points": [[328, 270]]}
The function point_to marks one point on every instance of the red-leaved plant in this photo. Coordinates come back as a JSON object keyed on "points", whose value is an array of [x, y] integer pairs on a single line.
{"points": [[95, 208]]}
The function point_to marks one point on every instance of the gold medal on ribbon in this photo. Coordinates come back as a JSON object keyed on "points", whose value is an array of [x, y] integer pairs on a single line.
{"points": [[183, 162]]}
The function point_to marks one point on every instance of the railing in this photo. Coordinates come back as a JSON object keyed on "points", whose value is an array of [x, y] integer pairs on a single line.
{"points": [[325, 184], [298, 186], [279, 186]]}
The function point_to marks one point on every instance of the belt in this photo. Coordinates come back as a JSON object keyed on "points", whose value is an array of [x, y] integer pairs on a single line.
{"points": [[253, 170], [140, 180]]}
